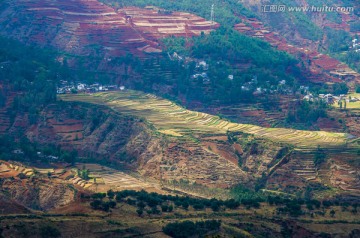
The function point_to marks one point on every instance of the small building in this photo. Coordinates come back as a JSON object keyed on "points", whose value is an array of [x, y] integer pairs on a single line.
{"points": [[204, 75], [309, 98], [202, 64], [328, 98], [245, 88], [195, 76], [304, 89], [18, 152], [151, 8], [206, 80], [259, 35], [81, 86], [176, 56], [52, 157], [60, 91]]}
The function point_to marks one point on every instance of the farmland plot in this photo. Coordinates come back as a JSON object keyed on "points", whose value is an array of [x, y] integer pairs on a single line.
{"points": [[167, 117], [104, 178]]}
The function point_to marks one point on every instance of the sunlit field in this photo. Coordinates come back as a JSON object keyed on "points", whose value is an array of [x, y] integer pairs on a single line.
{"points": [[172, 119]]}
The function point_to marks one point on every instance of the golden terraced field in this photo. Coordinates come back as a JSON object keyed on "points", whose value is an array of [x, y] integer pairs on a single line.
{"points": [[354, 105], [172, 119]]}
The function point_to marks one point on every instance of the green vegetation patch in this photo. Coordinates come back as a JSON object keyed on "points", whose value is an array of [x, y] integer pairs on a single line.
{"points": [[224, 10], [189, 229]]}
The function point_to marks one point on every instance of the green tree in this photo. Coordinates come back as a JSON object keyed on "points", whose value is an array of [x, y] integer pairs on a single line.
{"points": [[111, 194], [185, 205], [320, 156], [332, 213], [164, 208], [215, 206], [340, 88], [95, 204], [190, 229], [357, 88], [140, 212], [148, 212]]}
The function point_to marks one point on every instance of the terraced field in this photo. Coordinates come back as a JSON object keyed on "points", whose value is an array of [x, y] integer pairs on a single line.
{"points": [[104, 178], [354, 105], [172, 119], [77, 26]]}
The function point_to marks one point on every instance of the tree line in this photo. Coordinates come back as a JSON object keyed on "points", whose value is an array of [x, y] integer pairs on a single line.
{"points": [[156, 204]]}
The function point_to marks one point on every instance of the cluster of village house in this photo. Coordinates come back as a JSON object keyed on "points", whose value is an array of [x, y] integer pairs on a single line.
{"points": [[202, 66], [70, 87], [331, 99], [356, 45], [201, 69], [39, 154]]}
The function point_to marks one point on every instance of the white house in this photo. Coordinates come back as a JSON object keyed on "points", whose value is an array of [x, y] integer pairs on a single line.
{"points": [[202, 64], [309, 97]]}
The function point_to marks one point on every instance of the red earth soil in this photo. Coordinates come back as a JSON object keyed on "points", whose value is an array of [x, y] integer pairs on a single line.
{"points": [[88, 26], [320, 68]]}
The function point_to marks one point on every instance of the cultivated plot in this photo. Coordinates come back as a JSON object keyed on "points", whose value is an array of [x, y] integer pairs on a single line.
{"points": [[104, 178], [172, 119]]}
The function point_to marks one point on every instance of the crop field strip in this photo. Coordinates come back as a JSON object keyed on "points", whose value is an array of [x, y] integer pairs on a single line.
{"points": [[123, 180], [106, 176], [166, 115]]}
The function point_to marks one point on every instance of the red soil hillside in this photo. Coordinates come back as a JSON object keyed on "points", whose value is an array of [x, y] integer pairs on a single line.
{"points": [[319, 67], [87, 26]]}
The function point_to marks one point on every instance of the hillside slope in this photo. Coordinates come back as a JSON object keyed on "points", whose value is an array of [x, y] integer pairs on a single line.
{"points": [[102, 135], [287, 162], [92, 28]]}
